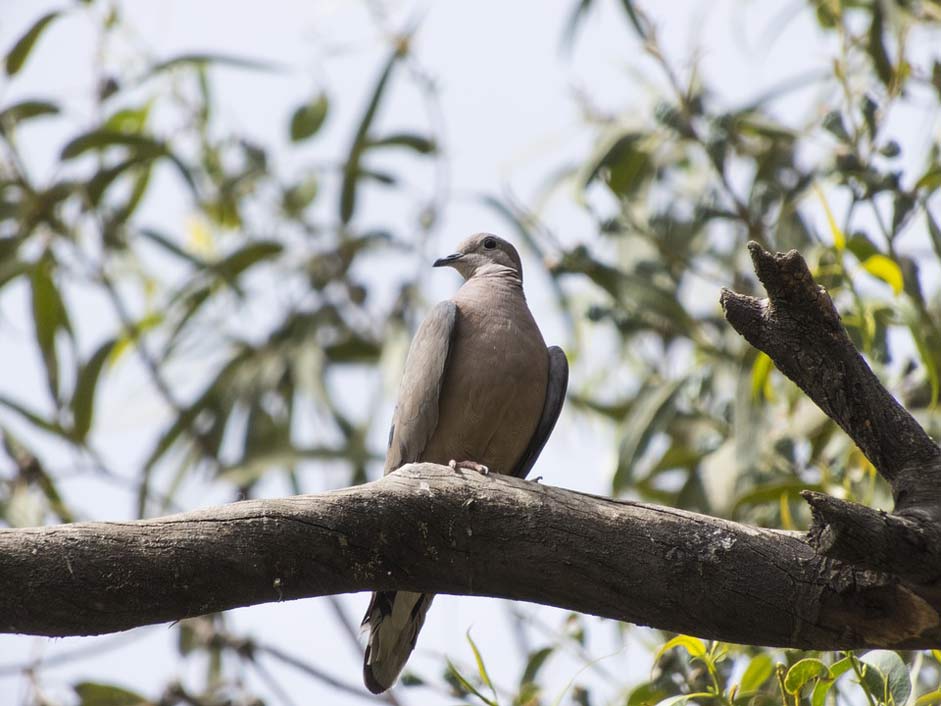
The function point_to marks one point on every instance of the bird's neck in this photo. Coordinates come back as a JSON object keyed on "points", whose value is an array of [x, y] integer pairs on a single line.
{"points": [[494, 290], [494, 273]]}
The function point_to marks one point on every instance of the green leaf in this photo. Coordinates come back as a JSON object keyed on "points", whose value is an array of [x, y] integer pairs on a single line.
{"points": [[49, 317], [647, 695], [886, 269], [930, 180], [351, 171], [128, 120], [839, 239], [935, 232], [756, 673], [761, 377], [535, 662], [129, 338], [16, 57], [481, 667], [239, 261], [83, 399], [309, 118], [876, 47], [932, 698], [861, 246], [141, 145], [823, 686], [93, 694], [803, 672], [168, 245], [887, 677], [422, 145], [198, 60], [693, 645], [624, 165], [50, 426], [295, 199], [353, 349], [25, 110], [465, 685], [103, 179]]}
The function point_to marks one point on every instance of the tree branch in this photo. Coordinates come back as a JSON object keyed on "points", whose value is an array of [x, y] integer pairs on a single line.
{"points": [[800, 329], [428, 528]]}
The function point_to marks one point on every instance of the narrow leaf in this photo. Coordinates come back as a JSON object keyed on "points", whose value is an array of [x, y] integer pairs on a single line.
{"points": [[102, 139], [481, 667], [25, 110], [93, 694], [839, 239], [466, 685], [83, 399], [761, 377], [16, 57], [418, 143], [239, 261], [49, 316], [935, 232], [203, 60], [351, 171]]}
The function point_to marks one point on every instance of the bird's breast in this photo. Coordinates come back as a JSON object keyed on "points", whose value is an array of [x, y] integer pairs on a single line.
{"points": [[494, 384]]}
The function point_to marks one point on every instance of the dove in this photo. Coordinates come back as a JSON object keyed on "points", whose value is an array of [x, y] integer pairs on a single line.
{"points": [[480, 391]]}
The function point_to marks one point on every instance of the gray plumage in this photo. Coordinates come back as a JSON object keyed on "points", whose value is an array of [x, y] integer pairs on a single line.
{"points": [[479, 386]]}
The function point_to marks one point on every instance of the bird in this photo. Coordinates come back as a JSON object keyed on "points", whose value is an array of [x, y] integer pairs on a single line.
{"points": [[480, 391]]}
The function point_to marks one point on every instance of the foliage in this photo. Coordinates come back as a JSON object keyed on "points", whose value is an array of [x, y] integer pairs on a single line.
{"points": [[251, 321]]}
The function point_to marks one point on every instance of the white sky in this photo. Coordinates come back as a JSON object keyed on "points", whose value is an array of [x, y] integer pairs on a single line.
{"points": [[511, 117]]}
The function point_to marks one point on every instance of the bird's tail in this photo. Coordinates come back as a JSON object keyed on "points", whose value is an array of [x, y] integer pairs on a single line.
{"points": [[393, 619]]}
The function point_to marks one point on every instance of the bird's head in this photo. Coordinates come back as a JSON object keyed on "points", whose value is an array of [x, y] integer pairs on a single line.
{"points": [[483, 254]]}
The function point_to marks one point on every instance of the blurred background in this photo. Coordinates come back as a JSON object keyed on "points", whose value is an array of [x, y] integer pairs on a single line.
{"points": [[217, 222]]}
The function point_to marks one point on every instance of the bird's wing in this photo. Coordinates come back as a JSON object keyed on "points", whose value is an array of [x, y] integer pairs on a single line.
{"points": [[416, 410], [555, 396]]}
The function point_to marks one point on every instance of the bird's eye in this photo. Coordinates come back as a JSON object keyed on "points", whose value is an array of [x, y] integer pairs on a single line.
{"points": [[490, 243]]}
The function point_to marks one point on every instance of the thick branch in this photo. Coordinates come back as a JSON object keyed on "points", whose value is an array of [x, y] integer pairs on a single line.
{"points": [[428, 528], [800, 329]]}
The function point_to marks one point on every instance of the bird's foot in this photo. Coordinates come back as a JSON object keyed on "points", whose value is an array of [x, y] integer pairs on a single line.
{"points": [[469, 466]]}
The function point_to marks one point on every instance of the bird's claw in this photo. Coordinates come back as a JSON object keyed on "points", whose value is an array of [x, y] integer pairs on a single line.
{"points": [[469, 466]]}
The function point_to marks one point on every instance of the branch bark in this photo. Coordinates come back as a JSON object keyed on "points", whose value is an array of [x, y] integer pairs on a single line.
{"points": [[859, 578], [800, 330], [429, 528]]}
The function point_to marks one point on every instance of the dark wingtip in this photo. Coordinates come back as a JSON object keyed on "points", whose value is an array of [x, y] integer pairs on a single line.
{"points": [[370, 679], [371, 683]]}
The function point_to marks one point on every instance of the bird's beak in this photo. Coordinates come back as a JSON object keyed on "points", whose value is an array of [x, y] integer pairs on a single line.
{"points": [[445, 261]]}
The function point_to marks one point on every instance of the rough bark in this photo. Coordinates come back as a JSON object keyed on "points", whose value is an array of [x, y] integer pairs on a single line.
{"points": [[800, 330], [429, 528], [859, 578]]}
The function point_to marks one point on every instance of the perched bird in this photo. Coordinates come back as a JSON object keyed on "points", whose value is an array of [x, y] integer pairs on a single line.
{"points": [[480, 391]]}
